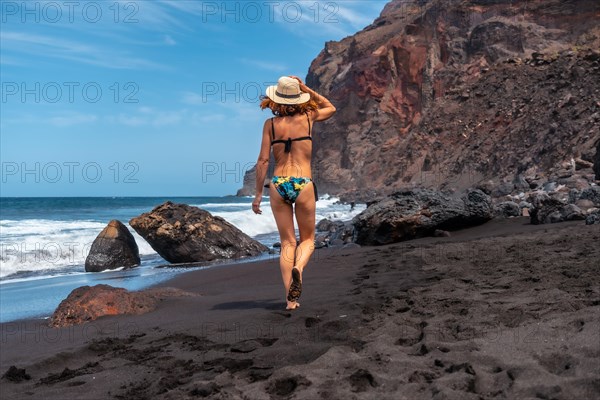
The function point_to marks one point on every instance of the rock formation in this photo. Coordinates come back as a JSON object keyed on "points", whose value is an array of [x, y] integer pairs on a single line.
{"points": [[593, 218], [508, 209], [87, 303], [416, 213], [328, 232], [114, 247], [448, 94], [182, 233], [249, 186], [560, 206]]}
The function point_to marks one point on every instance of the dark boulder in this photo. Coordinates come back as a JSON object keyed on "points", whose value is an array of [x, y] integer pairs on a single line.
{"points": [[324, 225], [507, 209], [503, 189], [88, 303], [546, 209], [114, 247], [592, 193], [571, 212], [486, 186], [181, 233], [416, 213], [549, 210], [573, 196], [593, 218], [538, 198], [478, 209], [332, 230], [336, 243], [341, 230], [321, 241]]}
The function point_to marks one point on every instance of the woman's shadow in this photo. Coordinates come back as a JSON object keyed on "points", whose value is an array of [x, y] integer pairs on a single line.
{"points": [[269, 304]]}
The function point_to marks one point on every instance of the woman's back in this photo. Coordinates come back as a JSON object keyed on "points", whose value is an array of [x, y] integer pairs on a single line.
{"points": [[292, 191], [291, 139]]}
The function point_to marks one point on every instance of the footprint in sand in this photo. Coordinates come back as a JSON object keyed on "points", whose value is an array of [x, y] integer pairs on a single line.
{"points": [[361, 380], [247, 346], [287, 385]]}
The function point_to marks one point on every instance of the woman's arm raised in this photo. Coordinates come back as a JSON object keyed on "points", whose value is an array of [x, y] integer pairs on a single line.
{"points": [[326, 109]]}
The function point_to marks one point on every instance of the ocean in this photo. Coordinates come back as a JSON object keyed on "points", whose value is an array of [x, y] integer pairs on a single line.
{"points": [[44, 242]]}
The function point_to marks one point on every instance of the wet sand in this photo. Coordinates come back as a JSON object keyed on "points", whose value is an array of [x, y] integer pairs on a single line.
{"points": [[503, 310]]}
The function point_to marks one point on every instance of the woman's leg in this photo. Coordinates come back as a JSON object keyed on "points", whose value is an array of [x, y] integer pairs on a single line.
{"points": [[305, 217], [283, 214]]}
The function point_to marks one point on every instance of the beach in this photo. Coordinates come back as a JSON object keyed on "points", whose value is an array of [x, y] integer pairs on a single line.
{"points": [[455, 146], [503, 310]]}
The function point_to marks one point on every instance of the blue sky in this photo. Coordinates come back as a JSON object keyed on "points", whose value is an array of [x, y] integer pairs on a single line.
{"points": [[149, 98]]}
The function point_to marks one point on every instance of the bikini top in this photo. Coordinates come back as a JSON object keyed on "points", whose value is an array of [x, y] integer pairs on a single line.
{"points": [[288, 141]]}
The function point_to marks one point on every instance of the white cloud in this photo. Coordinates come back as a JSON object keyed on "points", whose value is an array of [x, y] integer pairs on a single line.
{"points": [[153, 15], [243, 110], [190, 7], [266, 65], [150, 117], [240, 105], [50, 46], [168, 40], [166, 118], [146, 110], [199, 119], [193, 99], [156, 119], [5, 60], [355, 18], [128, 120], [72, 119]]}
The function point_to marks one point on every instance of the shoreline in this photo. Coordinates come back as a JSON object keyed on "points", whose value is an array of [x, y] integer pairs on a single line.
{"points": [[134, 279], [50, 286], [499, 308], [501, 228]]}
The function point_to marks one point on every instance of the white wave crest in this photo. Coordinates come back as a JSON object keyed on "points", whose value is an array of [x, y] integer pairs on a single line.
{"points": [[46, 245], [33, 245], [252, 224]]}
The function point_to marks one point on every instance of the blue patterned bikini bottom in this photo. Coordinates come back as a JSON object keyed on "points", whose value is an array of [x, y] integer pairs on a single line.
{"points": [[289, 187]]}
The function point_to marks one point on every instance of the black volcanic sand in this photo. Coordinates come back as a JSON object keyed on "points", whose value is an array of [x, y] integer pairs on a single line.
{"points": [[503, 310]]}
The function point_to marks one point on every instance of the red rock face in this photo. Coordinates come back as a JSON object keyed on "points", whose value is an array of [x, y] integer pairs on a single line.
{"points": [[426, 98]]}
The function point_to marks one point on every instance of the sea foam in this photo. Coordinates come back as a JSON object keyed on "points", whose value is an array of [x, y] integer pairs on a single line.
{"points": [[40, 247], [44, 245]]}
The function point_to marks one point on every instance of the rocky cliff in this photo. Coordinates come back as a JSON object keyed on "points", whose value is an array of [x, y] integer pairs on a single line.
{"points": [[453, 94]]}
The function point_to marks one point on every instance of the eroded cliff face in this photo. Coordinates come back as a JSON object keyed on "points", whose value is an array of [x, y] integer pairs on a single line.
{"points": [[449, 94]]}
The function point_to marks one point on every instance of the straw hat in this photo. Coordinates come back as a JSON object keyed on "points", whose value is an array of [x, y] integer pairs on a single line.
{"points": [[287, 91]]}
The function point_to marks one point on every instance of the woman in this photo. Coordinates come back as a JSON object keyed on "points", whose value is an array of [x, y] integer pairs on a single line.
{"points": [[296, 107]]}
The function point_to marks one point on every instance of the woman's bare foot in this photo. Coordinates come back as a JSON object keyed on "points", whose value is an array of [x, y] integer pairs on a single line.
{"points": [[296, 286], [292, 305]]}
